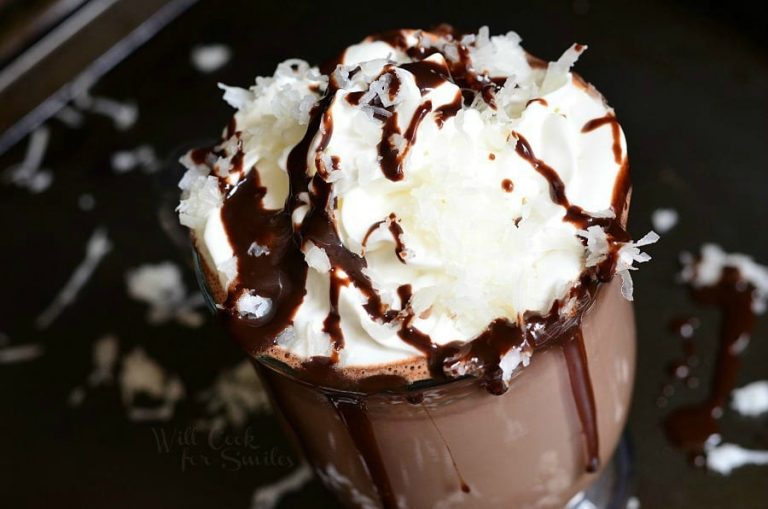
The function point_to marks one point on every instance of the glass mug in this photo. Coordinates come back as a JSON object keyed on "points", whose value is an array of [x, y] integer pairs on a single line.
{"points": [[452, 444]]}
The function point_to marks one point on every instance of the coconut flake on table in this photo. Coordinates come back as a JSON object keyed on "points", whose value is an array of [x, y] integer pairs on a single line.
{"points": [[95, 250], [70, 117], [141, 374], [208, 58], [14, 354], [143, 157], [104, 357], [29, 173], [136, 374], [707, 269], [664, 219], [123, 114], [235, 396], [86, 201], [752, 399], [724, 458], [162, 288]]}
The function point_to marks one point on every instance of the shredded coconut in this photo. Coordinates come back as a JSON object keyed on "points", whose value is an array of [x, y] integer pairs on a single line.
{"points": [[597, 245], [752, 399], [70, 117], [20, 353], [316, 257], [86, 201], [142, 375], [707, 270], [236, 97], [29, 173], [511, 360], [725, 458], [200, 195], [256, 250], [558, 72], [664, 220], [235, 396], [142, 157], [208, 58], [252, 305], [95, 250], [105, 355], [628, 254], [161, 286], [123, 114]]}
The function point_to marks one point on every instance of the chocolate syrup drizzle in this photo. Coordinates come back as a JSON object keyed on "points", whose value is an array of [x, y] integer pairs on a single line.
{"points": [[281, 273], [690, 427], [352, 412], [609, 119]]}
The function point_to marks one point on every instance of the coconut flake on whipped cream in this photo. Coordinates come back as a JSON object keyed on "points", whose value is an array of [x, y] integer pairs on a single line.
{"points": [[446, 183]]}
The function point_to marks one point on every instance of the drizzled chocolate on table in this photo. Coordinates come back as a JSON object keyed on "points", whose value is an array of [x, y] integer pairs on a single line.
{"points": [[281, 273], [692, 427]]}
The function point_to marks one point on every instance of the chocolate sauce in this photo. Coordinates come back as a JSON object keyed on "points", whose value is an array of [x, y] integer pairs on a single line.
{"points": [[397, 233], [539, 100], [354, 98], [278, 275], [482, 356], [332, 323], [375, 226], [391, 158], [690, 427], [507, 185], [449, 110], [583, 395], [427, 75], [199, 155], [609, 119], [682, 369], [556, 185], [574, 213], [353, 414]]}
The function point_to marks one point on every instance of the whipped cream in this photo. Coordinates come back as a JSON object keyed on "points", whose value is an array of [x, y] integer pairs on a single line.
{"points": [[462, 181]]}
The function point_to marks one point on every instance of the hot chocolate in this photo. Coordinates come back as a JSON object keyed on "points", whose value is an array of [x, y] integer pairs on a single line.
{"points": [[425, 244]]}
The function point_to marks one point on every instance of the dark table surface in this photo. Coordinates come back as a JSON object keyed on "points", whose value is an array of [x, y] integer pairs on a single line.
{"points": [[690, 87]]}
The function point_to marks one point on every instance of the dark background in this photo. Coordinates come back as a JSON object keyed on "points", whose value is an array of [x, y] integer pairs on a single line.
{"points": [[688, 80]]}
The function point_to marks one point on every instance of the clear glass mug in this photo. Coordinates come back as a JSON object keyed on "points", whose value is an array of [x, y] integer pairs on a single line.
{"points": [[452, 444]]}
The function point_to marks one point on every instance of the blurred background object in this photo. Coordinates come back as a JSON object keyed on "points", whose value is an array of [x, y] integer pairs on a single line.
{"points": [[53, 50]]}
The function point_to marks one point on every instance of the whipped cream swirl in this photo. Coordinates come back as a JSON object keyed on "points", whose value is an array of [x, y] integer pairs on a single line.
{"points": [[427, 190]]}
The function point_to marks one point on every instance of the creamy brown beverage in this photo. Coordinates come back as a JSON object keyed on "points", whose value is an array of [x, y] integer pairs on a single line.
{"points": [[423, 246]]}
